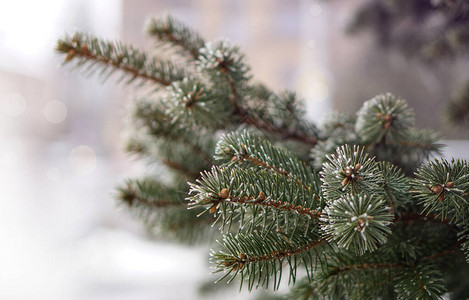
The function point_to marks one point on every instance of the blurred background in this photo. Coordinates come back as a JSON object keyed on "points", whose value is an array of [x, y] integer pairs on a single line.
{"points": [[62, 234]]}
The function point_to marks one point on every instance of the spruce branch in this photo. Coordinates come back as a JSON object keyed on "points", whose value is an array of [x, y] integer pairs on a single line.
{"points": [[361, 235], [357, 222], [255, 199], [351, 276], [172, 31], [338, 123], [421, 140], [287, 113], [457, 111], [163, 211], [225, 65], [152, 116], [259, 257], [175, 156], [279, 114], [179, 157], [257, 98], [463, 236], [338, 129], [350, 171], [409, 27], [395, 185], [304, 290], [382, 118], [248, 151], [268, 127], [192, 102], [149, 193], [223, 61], [93, 54], [422, 281], [442, 187]]}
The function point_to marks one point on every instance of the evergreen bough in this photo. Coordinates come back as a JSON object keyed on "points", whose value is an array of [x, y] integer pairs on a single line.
{"points": [[355, 204], [429, 30]]}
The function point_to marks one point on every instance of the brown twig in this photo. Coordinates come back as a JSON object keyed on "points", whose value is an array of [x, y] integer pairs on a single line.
{"points": [[277, 205], [278, 254], [262, 124], [85, 53], [366, 266], [259, 162]]}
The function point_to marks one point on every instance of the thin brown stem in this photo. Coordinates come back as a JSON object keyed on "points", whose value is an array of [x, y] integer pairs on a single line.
{"points": [[410, 217], [279, 254], [197, 150], [85, 53], [179, 168], [443, 253], [366, 266], [259, 162], [136, 200], [174, 40], [277, 205], [259, 123]]}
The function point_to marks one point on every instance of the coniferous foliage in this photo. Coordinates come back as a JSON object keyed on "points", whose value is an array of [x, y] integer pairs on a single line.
{"points": [[429, 30], [457, 111], [352, 210]]}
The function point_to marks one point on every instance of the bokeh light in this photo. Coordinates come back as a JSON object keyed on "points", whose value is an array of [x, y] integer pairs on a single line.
{"points": [[82, 160], [315, 10], [55, 111], [313, 86]]}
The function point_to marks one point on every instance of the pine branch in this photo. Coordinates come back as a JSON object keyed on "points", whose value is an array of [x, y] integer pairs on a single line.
{"points": [[255, 199], [348, 276], [160, 125], [225, 65], [342, 232], [304, 290], [279, 115], [423, 281], [93, 54], [247, 151], [463, 239], [365, 266], [176, 33], [423, 140], [173, 155], [444, 253], [269, 128], [163, 210], [395, 185], [350, 171], [442, 187], [457, 111], [179, 168], [257, 258], [284, 117], [384, 118], [357, 222], [149, 193], [192, 102], [224, 62]]}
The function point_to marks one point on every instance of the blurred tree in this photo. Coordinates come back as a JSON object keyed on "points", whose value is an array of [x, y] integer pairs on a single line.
{"points": [[431, 30]]}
